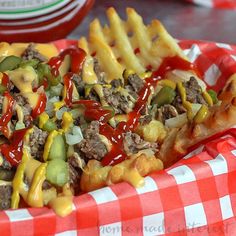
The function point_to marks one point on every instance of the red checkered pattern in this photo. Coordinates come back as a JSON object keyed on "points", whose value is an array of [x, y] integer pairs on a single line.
{"points": [[196, 196], [224, 4]]}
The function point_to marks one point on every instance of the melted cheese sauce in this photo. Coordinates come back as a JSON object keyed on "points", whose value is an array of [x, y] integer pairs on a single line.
{"points": [[131, 170], [43, 118], [48, 144], [62, 206], [19, 113], [35, 195], [208, 98], [67, 121], [88, 73], [47, 50], [18, 181], [22, 78], [63, 203]]}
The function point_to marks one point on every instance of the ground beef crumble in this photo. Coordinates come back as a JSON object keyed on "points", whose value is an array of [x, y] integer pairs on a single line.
{"points": [[5, 197], [75, 171], [166, 112], [91, 147], [133, 143], [194, 91], [37, 141], [32, 53]]}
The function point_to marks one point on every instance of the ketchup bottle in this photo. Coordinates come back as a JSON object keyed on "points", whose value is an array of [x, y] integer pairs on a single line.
{"points": [[40, 20]]}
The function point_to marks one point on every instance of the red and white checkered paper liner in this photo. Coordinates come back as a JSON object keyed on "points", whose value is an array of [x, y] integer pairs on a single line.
{"points": [[196, 196], [224, 4]]}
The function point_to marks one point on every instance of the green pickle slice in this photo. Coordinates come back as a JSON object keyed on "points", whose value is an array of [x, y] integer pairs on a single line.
{"points": [[213, 95], [58, 149], [50, 126], [10, 63], [165, 96], [57, 172]]}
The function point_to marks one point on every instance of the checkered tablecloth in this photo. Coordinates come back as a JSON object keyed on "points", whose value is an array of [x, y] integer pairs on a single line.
{"points": [[223, 4], [196, 196]]}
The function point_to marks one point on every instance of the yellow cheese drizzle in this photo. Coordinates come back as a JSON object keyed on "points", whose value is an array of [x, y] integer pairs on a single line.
{"points": [[88, 74], [67, 121], [167, 82], [208, 98], [58, 105], [63, 203], [20, 113], [18, 180], [201, 114], [48, 144], [187, 105], [22, 78], [43, 118], [35, 195]]}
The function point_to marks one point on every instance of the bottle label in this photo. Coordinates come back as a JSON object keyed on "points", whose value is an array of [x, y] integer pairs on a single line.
{"points": [[10, 9]]}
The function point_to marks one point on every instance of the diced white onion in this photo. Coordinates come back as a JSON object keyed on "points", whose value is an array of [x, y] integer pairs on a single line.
{"points": [[177, 121], [182, 119], [19, 125], [185, 76], [49, 106], [76, 130], [75, 137], [60, 112], [196, 107]]}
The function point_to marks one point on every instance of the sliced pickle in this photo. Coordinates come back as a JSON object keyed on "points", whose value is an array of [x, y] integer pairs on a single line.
{"points": [[57, 172], [58, 149], [49, 126], [213, 95], [165, 96], [10, 63]]}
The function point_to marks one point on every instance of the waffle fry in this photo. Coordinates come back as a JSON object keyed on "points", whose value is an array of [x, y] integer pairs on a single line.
{"points": [[131, 170], [219, 119], [116, 46]]}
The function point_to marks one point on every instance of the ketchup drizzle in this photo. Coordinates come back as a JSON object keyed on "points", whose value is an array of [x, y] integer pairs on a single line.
{"points": [[41, 105], [172, 63], [5, 80], [13, 152], [77, 56], [117, 155], [69, 88], [93, 110]]}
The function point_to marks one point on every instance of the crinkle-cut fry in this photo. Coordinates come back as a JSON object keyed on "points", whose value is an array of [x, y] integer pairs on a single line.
{"points": [[88, 74], [96, 29], [116, 46], [229, 89], [122, 42], [220, 118], [140, 36], [83, 43], [131, 170], [106, 58], [164, 45]]}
